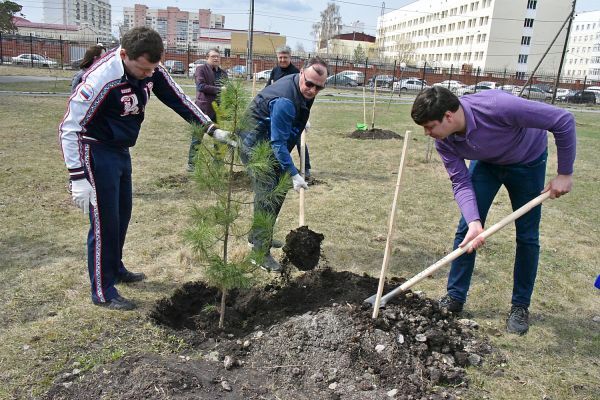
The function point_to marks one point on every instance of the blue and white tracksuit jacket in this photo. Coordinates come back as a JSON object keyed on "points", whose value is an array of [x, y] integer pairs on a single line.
{"points": [[103, 120]]}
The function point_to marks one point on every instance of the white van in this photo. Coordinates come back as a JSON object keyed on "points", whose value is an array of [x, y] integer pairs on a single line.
{"points": [[358, 76]]}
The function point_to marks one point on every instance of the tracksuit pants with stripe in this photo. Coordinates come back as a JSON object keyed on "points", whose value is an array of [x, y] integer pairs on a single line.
{"points": [[109, 171]]}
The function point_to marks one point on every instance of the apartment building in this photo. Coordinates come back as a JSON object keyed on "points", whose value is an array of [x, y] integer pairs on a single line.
{"points": [[486, 34], [178, 28], [583, 56], [94, 14]]}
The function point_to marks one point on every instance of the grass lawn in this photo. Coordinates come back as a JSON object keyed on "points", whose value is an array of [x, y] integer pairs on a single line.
{"points": [[47, 322]]}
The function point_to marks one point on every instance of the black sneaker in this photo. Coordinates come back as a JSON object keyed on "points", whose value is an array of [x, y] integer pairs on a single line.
{"points": [[269, 264], [118, 303], [450, 304], [518, 320], [130, 277]]}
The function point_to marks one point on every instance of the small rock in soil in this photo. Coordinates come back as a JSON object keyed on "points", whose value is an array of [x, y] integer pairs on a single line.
{"points": [[226, 386]]}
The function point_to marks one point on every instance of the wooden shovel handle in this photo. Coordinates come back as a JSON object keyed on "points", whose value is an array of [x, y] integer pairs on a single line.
{"points": [[461, 250], [302, 173]]}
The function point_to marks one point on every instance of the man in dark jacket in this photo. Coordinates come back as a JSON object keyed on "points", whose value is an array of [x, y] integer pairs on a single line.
{"points": [[279, 114], [209, 78]]}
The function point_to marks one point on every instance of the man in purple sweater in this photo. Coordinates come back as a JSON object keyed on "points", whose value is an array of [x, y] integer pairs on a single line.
{"points": [[506, 139]]}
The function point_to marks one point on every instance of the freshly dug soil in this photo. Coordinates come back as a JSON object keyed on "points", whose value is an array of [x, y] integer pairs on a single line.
{"points": [[310, 339], [303, 248], [374, 133]]}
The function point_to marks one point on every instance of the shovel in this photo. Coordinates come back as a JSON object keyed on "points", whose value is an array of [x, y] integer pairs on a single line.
{"points": [[388, 242], [459, 251]]}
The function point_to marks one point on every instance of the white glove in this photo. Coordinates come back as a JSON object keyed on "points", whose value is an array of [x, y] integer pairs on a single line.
{"points": [[307, 126], [223, 137], [299, 182], [83, 194]]}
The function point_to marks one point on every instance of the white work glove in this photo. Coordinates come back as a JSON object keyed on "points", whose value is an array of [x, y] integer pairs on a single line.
{"points": [[224, 137], [307, 126], [299, 182], [83, 194]]}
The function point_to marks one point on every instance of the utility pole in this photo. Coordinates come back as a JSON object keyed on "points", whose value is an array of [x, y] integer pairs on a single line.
{"points": [[564, 52], [381, 56], [250, 41]]}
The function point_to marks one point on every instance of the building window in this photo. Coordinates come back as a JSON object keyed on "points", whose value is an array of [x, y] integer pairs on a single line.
{"points": [[528, 23], [520, 75], [525, 40], [522, 59], [532, 4]]}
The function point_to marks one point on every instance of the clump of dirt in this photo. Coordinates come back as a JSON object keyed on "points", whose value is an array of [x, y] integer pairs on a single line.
{"points": [[374, 133], [310, 339], [303, 248]]}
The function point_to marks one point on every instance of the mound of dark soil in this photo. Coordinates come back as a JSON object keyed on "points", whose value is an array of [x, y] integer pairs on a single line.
{"points": [[303, 248], [311, 339], [374, 133]]}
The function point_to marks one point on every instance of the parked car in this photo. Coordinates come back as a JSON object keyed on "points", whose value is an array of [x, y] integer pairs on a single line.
{"points": [[192, 66], [262, 75], [546, 87], [383, 81], [561, 94], [453, 85], [237, 71], [536, 93], [175, 66], [358, 76], [472, 89], [410, 84], [581, 97], [341, 80], [509, 88], [38, 61]]}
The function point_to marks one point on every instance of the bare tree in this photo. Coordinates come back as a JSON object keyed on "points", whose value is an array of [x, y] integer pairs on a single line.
{"points": [[405, 50], [329, 26], [299, 49]]}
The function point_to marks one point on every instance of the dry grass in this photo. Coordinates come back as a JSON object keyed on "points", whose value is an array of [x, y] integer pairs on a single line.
{"points": [[48, 322]]}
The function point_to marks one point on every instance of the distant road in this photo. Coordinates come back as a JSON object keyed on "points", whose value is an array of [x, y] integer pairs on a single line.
{"points": [[30, 78]]}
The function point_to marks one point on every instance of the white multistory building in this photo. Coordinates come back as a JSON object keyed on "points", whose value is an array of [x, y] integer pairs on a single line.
{"points": [[583, 57], [93, 15], [492, 35]]}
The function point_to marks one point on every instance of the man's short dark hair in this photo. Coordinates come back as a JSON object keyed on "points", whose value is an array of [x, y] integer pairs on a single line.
{"points": [[432, 103], [316, 61], [213, 50], [142, 41]]}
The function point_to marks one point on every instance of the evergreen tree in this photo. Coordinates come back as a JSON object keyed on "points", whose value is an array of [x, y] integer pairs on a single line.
{"points": [[214, 229]]}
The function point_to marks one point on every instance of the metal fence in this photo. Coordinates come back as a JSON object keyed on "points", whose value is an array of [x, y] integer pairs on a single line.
{"points": [[66, 54]]}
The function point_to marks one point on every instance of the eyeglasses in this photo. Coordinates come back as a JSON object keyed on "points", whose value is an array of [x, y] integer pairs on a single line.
{"points": [[311, 85]]}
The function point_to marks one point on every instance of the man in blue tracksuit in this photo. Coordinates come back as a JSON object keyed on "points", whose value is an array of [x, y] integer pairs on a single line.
{"points": [[102, 121], [279, 114]]}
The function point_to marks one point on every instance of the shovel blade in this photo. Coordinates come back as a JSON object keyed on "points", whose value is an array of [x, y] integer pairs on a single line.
{"points": [[371, 301]]}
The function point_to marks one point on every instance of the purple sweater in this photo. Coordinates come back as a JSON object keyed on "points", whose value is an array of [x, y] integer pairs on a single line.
{"points": [[503, 129]]}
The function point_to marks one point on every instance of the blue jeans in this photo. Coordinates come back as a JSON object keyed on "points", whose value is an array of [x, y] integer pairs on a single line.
{"points": [[523, 183]]}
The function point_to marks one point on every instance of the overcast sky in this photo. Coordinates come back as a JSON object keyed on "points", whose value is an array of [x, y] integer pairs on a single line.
{"points": [[292, 18]]}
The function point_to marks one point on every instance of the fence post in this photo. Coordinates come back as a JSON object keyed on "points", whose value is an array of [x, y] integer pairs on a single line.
{"points": [[1, 50], [450, 78], [477, 78], [504, 78], [336, 68], [584, 82], [393, 76], [62, 56], [31, 48], [423, 75]]}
